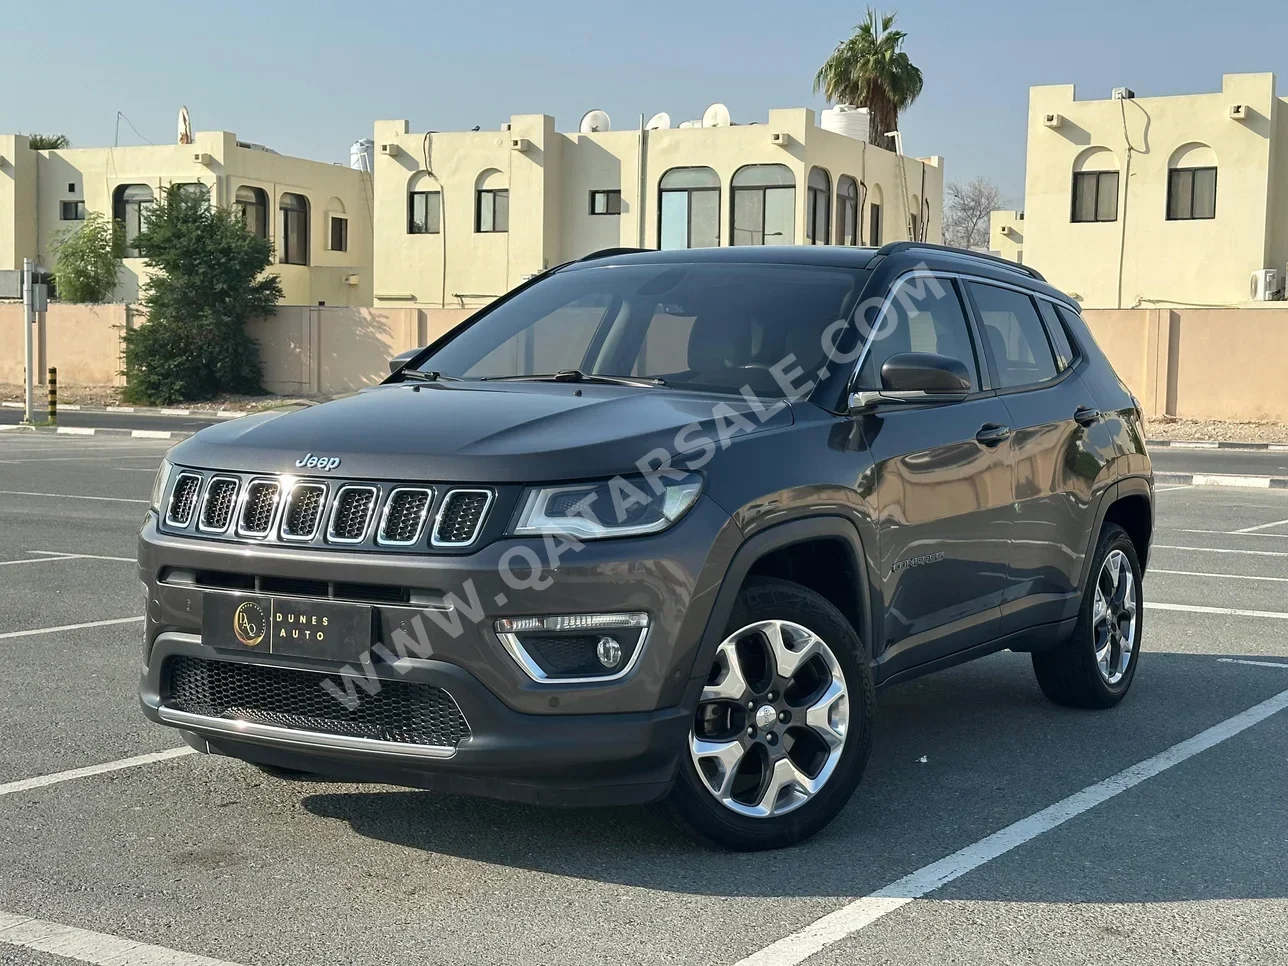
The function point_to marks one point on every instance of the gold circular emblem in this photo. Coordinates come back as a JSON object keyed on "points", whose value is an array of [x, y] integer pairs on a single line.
{"points": [[249, 623]]}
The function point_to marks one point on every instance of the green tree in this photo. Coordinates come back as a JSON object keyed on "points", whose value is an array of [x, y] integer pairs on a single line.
{"points": [[871, 70], [48, 142], [88, 258], [206, 285]]}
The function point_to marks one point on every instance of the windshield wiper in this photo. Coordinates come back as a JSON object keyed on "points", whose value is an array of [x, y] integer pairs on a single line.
{"points": [[576, 375], [427, 376]]}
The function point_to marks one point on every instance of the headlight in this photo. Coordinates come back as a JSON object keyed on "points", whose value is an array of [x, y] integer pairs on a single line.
{"points": [[620, 507], [159, 485]]}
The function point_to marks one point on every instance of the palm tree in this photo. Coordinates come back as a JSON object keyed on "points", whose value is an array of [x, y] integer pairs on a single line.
{"points": [[871, 70], [48, 142]]}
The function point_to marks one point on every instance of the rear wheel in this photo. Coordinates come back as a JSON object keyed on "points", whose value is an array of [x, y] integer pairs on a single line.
{"points": [[1095, 667], [783, 727]]}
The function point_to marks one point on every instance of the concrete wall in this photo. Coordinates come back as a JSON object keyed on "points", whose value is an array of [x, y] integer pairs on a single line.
{"points": [[83, 341]]}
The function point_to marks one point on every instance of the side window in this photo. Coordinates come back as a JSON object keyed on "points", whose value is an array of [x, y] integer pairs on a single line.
{"points": [[1065, 354], [925, 315], [1015, 336]]}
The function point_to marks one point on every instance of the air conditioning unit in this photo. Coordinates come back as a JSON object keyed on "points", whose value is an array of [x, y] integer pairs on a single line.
{"points": [[1238, 112], [1052, 120], [1267, 285], [780, 138], [522, 145], [351, 280], [389, 150], [1123, 94], [202, 158]]}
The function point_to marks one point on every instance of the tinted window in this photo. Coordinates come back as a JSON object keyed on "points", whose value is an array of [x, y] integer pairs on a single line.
{"points": [[925, 315], [1064, 351], [1014, 334], [710, 327]]}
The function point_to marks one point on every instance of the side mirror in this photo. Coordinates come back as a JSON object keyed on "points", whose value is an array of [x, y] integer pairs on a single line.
{"points": [[400, 360], [916, 377]]}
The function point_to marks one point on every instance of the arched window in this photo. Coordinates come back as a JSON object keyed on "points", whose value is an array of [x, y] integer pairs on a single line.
{"points": [[876, 199], [914, 218], [424, 205], [1191, 183], [491, 202], [194, 190], [1095, 186], [764, 205], [818, 216], [689, 209], [129, 202], [252, 204], [847, 211], [337, 226], [294, 234]]}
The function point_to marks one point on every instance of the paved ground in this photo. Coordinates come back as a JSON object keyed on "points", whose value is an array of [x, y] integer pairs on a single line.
{"points": [[1179, 860], [70, 417]]}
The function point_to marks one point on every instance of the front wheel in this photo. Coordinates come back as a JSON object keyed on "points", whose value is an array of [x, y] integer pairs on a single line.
{"points": [[783, 727]]}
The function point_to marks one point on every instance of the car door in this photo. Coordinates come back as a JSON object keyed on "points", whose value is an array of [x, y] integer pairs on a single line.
{"points": [[1063, 454], [941, 486]]}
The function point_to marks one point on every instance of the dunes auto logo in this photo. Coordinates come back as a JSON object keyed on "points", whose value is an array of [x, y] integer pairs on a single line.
{"points": [[250, 623]]}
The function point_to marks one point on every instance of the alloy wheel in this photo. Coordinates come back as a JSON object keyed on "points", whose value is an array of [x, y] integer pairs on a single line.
{"points": [[772, 720], [1113, 618]]}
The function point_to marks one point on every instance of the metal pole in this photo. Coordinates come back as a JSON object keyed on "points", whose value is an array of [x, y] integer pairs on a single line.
{"points": [[28, 334], [53, 395]]}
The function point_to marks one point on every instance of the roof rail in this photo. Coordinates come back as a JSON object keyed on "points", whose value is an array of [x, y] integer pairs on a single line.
{"points": [[610, 252], [896, 248]]}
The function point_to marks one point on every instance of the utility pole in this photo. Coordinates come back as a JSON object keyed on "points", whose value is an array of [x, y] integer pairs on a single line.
{"points": [[28, 333]]}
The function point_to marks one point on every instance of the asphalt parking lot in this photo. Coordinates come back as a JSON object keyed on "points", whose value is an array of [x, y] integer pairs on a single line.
{"points": [[1151, 833]]}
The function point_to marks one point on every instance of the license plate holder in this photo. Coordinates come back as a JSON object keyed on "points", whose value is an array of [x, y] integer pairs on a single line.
{"points": [[290, 626]]}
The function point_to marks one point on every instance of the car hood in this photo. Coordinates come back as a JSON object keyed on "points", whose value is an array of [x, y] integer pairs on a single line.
{"points": [[480, 433]]}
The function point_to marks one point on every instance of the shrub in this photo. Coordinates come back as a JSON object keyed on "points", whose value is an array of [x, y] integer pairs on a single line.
{"points": [[88, 258], [206, 284]]}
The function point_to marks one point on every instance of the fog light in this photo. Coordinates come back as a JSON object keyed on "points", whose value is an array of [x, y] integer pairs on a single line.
{"points": [[609, 652]]}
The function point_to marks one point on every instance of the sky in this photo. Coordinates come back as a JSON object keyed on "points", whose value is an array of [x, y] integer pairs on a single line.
{"points": [[308, 77]]}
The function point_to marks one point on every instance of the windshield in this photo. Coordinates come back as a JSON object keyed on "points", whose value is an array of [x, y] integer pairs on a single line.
{"points": [[714, 327]]}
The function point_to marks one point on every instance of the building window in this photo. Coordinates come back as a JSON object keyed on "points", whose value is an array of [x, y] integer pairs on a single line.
{"points": [[339, 233], [492, 210], [764, 205], [129, 202], [606, 202], [689, 209], [71, 211], [914, 223], [847, 211], [424, 213], [874, 224], [818, 217], [193, 190], [294, 236], [252, 205], [1191, 194], [1095, 196]]}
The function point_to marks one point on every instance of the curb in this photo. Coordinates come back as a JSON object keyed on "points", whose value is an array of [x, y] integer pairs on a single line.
{"points": [[96, 431], [145, 410], [1222, 479], [1205, 444]]}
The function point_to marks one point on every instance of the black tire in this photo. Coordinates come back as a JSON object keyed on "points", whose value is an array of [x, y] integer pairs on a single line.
{"points": [[1068, 673], [697, 812]]}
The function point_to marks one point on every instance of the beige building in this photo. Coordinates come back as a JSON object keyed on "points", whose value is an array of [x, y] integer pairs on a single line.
{"points": [[462, 217], [318, 215], [1155, 201]]}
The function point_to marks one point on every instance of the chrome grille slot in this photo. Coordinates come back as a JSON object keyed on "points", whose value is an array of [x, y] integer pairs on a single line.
{"points": [[403, 520], [258, 508], [461, 517], [351, 513], [217, 506], [302, 514], [183, 499]]}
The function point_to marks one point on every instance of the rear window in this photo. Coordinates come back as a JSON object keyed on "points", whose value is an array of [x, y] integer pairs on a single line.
{"points": [[708, 327]]}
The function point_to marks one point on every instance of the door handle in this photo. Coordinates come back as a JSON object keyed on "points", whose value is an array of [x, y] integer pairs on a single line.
{"points": [[1086, 416], [990, 434]]}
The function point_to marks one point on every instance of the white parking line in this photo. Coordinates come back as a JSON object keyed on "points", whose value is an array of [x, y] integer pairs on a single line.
{"points": [[70, 496], [850, 918], [1263, 526], [59, 555], [1226, 533], [1231, 660], [85, 946], [9, 635], [1192, 573], [1227, 611], [1251, 553], [57, 778], [1180, 486]]}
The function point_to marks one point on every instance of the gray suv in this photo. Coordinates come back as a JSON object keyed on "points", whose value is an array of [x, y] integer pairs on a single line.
{"points": [[651, 528]]}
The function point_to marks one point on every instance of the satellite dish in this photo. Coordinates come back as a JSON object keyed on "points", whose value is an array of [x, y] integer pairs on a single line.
{"points": [[717, 115], [658, 122], [690, 124], [185, 126], [594, 121]]}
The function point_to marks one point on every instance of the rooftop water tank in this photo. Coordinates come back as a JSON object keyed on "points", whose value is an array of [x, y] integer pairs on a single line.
{"points": [[853, 122], [362, 154]]}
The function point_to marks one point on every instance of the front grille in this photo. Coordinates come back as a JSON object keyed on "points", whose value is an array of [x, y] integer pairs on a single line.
{"points": [[217, 508], [461, 517], [183, 500], [258, 507], [303, 511], [404, 516], [400, 711], [292, 586], [351, 514]]}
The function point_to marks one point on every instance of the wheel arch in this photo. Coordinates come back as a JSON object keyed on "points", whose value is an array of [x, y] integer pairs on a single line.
{"points": [[1133, 510]]}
